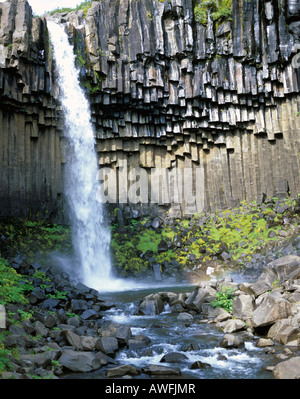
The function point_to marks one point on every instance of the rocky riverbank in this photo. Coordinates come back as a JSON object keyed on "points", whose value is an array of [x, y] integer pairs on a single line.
{"points": [[61, 329], [249, 290]]}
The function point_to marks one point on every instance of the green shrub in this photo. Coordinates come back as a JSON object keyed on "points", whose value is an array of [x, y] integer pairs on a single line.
{"points": [[220, 11], [85, 6], [224, 299], [12, 285]]}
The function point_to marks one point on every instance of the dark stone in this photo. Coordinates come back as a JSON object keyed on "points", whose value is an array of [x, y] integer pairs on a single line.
{"points": [[200, 365], [49, 303], [174, 357], [107, 345], [89, 314], [157, 273], [154, 369], [138, 342], [36, 296]]}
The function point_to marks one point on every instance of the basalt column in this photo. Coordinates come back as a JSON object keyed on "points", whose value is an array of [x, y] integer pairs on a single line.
{"points": [[170, 85]]}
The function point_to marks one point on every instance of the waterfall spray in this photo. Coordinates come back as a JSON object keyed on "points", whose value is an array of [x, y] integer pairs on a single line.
{"points": [[91, 239]]}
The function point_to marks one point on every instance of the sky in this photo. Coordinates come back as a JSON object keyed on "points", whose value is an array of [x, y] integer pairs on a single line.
{"points": [[39, 7]]}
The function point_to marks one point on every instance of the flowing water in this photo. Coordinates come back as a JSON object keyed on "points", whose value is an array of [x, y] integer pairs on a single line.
{"points": [[91, 237], [169, 335]]}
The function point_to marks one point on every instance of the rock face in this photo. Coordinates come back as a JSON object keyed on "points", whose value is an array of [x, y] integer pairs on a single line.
{"points": [[166, 92], [288, 369]]}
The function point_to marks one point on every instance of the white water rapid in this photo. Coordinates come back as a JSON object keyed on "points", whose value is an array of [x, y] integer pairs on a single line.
{"points": [[91, 238]]}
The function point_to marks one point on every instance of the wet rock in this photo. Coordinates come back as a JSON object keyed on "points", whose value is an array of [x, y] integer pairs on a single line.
{"points": [[200, 365], [232, 341], [120, 371], [123, 335], [153, 369], [185, 317], [152, 305], [289, 369], [195, 300], [157, 272], [174, 357], [138, 342]]}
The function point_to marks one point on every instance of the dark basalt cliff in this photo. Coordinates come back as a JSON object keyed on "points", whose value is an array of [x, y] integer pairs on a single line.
{"points": [[165, 92]]}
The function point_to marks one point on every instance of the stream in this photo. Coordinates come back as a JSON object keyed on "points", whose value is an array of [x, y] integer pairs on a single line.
{"points": [[169, 335]]}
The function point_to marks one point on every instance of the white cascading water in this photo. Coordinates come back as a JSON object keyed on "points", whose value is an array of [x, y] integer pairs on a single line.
{"points": [[91, 239]]}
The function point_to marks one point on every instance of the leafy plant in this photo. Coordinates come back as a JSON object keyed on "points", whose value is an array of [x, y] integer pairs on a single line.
{"points": [[224, 299], [11, 288], [25, 315], [58, 295], [220, 11], [83, 6]]}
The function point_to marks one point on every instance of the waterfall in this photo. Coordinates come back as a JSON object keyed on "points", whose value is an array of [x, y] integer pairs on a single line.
{"points": [[91, 238]]}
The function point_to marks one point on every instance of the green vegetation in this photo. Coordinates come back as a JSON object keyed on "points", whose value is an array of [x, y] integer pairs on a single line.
{"points": [[224, 299], [30, 238], [239, 232], [220, 11], [85, 6], [13, 287], [91, 85]]}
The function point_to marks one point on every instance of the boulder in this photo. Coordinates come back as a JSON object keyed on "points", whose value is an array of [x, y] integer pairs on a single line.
{"points": [[123, 334], [38, 360], [73, 339], [289, 369], [89, 314], [243, 306], [185, 317], [151, 306], [286, 268], [271, 309], [232, 341], [120, 371], [258, 288], [195, 300], [264, 342], [283, 331], [107, 345], [154, 369], [232, 325], [80, 361], [36, 296], [174, 357], [199, 365], [40, 329], [88, 343], [138, 342]]}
